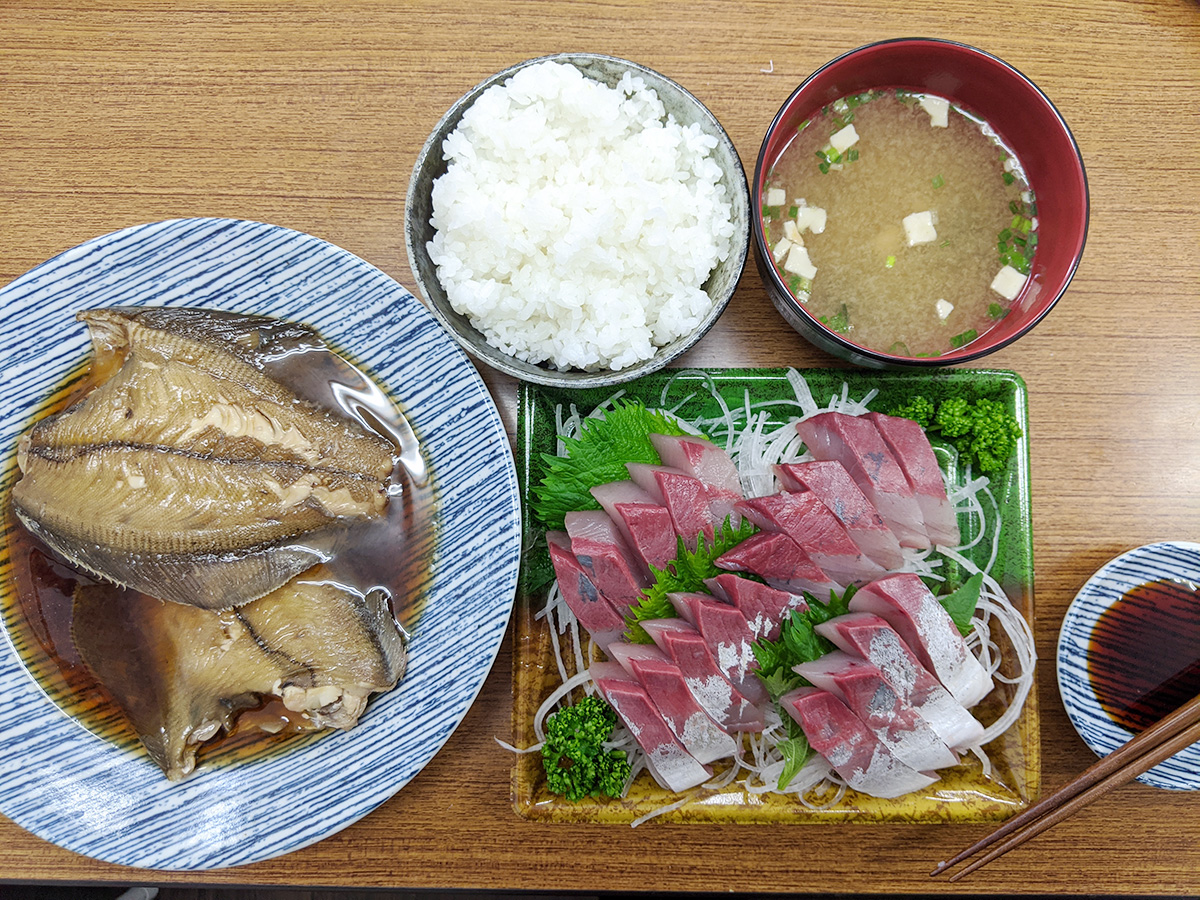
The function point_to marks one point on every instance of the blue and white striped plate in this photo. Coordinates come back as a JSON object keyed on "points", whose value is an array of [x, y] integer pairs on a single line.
{"points": [[1168, 560], [64, 784]]}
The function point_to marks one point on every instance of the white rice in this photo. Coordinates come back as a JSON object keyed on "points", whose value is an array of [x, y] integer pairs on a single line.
{"points": [[577, 222]]}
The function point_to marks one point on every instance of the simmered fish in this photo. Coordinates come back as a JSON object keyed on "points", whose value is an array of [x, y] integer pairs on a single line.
{"points": [[183, 674], [188, 473]]}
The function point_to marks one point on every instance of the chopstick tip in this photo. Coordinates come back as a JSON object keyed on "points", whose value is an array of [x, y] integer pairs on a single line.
{"points": [[939, 868]]}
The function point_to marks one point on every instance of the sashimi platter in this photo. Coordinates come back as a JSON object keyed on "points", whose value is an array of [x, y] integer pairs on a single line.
{"points": [[774, 596]]}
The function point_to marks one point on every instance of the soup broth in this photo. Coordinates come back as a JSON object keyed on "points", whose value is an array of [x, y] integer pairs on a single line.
{"points": [[904, 234]]}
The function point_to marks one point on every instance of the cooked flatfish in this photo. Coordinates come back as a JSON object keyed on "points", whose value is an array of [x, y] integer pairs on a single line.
{"points": [[190, 474], [183, 674]]}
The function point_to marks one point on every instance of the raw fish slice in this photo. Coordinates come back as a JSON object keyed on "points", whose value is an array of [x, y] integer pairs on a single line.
{"points": [[764, 607], [605, 557], [830, 481], [665, 684], [705, 461], [807, 521], [183, 674], [729, 640], [873, 639], [687, 648], [849, 746], [667, 759], [682, 495], [855, 442], [910, 607], [594, 613], [645, 525], [781, 562], [910, 445], [867, 694], [187, 473]]}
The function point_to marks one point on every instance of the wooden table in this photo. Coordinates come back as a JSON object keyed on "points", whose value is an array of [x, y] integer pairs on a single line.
{"points": [[310, 115]]}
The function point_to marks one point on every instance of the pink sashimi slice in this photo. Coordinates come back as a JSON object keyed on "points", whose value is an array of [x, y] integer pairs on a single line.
{"points": [[855, 442], [874, 640], [849, 746], [867, 694], [764, 607], [664, 682], [682, 495], [644, 524], [781, 562], [705, 461], [830, 481], [687, 648], [667, 759], [910, 608], [608, 561], [729, 638], [806, 520], [595, 614], [910, 445]]}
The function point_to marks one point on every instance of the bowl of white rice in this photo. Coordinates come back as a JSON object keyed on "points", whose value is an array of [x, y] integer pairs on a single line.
{"points": [[577, 220]]}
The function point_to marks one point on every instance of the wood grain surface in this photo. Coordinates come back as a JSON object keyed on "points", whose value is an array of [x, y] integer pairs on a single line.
{"points": [[310, 115]]}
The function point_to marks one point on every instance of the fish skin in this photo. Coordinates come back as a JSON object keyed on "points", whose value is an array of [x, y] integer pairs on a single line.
{"points": [[188, 473], [183, 674]]}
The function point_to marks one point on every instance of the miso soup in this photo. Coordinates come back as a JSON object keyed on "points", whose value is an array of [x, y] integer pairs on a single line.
{"points": [[901, 221]]}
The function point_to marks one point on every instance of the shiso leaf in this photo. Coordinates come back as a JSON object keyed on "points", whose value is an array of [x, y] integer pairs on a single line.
{"points": [[598, 456], [962, 602], [684, 573]]}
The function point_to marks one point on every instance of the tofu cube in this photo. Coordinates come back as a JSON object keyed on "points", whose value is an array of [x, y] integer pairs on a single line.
{"points": [[798, 263], [776, 197], [918, 228], [781, 249], [791, 231], [944, 308], [843, 140], [938, 109], [811, 218], [1008, 283]]}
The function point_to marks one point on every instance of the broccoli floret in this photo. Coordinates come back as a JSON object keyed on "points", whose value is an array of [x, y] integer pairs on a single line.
{"points": [[576, 763], [982, 430], [919, 409]]}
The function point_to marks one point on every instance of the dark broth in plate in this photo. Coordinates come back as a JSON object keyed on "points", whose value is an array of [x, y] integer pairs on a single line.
{"points": [[1144, 653], [38, 590]]}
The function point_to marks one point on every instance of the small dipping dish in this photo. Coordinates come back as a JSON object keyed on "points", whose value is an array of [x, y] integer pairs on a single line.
{"points": [[1129, 652], [1024, 120]]}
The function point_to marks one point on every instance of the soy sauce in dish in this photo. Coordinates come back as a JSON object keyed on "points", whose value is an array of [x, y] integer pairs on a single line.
{"points": [[1144, 653]]}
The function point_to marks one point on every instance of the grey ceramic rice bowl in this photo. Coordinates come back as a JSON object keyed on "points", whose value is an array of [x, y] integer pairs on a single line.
{"points": [[431, 164]]}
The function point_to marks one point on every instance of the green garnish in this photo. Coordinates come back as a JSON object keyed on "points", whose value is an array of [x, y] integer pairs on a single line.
{"points": [[852, 154], [769, 211], [1009, 177], [983, 430], [840, 321], [576, 763], [945, 243], [793, 211], [598, 456], [683, 574], [938, 181], [961, 603], [891, 262], [996, 311], [961, 340]]}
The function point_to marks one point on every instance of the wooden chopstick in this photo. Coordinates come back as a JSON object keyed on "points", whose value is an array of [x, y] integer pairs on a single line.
{"points": [[1162, 740]]}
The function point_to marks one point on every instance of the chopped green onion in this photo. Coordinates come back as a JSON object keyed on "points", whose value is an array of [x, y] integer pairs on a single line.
{"points": [[938, 181], [1009, 177], [961, 340], [996, 311], [1013, 206], [852, 154], [770, 211], [793, 211], [899, 348], [824, 167], [891, 262], [803, 125], [945, 243]]}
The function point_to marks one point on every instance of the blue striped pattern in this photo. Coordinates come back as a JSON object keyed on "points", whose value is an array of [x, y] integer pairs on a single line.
{"points": [[69, 787], [1153, 562]]}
